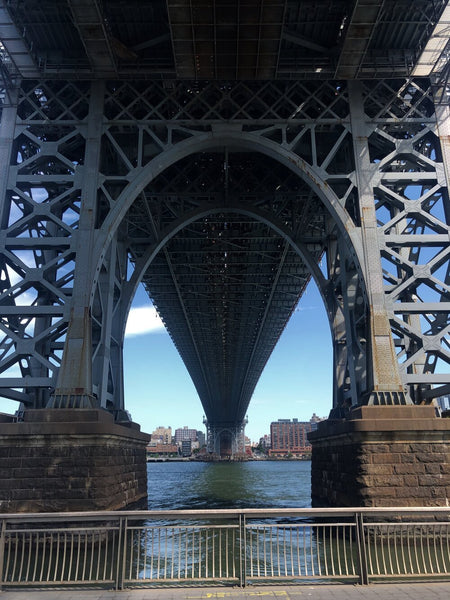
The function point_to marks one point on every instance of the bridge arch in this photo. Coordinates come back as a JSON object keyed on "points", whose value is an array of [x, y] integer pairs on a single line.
{"points": [[345, 224], [223, 138]]}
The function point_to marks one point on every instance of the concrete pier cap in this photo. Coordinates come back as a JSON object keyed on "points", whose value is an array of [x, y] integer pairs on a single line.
{"points": [[56, 460], [382, 456]]}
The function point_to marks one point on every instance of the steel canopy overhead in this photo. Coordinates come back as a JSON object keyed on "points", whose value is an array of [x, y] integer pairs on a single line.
{"points": [[225, 39]]}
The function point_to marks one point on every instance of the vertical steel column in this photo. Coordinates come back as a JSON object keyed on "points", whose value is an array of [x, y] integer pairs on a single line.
{"points": [[238, 439], [7, 127], [108, 324], [74, 384], [345, 299], [443, 126], [384, 376], [337, 325]]}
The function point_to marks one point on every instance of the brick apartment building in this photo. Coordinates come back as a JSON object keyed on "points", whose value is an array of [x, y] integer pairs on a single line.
{"points": [[290, 437], [183, 434]]}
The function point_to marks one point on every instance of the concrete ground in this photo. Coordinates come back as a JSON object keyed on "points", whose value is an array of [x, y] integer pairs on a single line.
{"points": [[391, 591]]}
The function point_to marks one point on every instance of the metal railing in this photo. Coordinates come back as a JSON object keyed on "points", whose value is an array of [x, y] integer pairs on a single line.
{"points": [[144, 548]]}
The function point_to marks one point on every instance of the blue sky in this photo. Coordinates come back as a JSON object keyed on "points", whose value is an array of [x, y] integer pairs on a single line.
{"points": [[297, 380]]}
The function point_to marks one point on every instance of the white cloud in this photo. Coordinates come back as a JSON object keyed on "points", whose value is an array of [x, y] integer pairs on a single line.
{"points": [[142, 320], [301, 308]]}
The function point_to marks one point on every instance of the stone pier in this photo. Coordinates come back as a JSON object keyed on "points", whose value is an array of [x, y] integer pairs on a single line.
{"points": [[382, 456], [70, 460]]}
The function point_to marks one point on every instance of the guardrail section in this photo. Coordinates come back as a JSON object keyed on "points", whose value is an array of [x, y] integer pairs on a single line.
{"points": [[145, 548], [301, 551], [196, 552], [70, 554], [419, 548]]}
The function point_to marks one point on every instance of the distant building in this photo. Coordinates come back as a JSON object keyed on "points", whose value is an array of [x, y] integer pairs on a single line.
{"points": [[185, 433], [201, 439], [289, 437], [186, 447], [162, 435], [162, 450], [314, 420], [265, 442]]}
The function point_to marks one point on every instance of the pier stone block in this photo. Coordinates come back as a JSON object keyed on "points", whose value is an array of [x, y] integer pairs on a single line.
{"points": [[58, 460], [382, 456]]}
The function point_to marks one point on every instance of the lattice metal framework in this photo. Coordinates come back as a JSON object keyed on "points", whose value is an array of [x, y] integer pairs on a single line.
{"points": [[223, 199], [225, 441], [223, 193]]}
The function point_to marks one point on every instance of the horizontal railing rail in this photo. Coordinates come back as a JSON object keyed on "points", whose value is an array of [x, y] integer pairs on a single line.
{"points": [[145, 548]]}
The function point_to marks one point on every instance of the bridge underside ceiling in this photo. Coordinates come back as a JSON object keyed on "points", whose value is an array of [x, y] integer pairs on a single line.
{"points": [[226, 284], [225, 39]]}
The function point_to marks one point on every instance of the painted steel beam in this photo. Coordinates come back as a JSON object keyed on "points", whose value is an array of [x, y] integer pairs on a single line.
{"points": [[90, 22], [427, 378], [226, 40], [295, 38], [22, 62], [421, 307], [358, 34], [34, 311], [43, 242], [429, 60], [26, 381]]}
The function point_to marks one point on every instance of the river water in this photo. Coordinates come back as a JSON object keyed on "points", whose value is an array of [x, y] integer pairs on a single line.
{"points": [[253, 484]]}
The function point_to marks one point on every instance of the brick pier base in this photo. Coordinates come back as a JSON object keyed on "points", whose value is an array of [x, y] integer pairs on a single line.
{"points": [[70, 460], [382, 456]]}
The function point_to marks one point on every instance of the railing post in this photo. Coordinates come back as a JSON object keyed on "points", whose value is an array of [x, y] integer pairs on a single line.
{"points": [[362, 549], [242, 550], [2, 552], [121, 553]]}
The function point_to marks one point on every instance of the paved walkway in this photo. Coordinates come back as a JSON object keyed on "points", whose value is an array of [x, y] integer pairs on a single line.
{"points": [[397, 591]]}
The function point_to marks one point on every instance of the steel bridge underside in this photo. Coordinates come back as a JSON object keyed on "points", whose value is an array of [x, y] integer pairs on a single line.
{"points": [[226, 284], [221, 40], [325, 162]]}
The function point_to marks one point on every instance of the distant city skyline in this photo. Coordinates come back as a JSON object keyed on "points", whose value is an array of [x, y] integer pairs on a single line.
{"points": [[296, 382]]}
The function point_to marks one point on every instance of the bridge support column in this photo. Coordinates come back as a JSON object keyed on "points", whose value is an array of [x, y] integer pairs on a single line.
{"points": [[382, 456], [226, 442], [70, 460]]}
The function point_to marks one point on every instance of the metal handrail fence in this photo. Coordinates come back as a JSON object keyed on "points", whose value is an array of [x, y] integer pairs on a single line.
{"points": [[145, 548]]}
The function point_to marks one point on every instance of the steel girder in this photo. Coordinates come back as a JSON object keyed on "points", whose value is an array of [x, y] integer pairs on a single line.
{"points": [[220, 40], [100, 178]]}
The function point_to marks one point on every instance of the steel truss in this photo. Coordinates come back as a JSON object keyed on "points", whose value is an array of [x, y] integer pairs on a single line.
{"points": [[224, 199]]}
